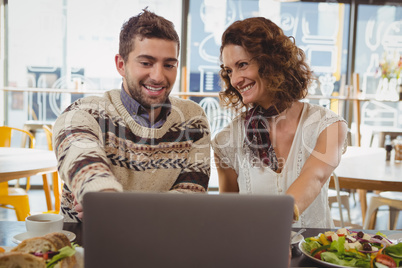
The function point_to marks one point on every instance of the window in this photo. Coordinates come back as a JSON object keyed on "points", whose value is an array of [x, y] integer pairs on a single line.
{"points": [[67, 44], [320, 29], [72, 43], [379, 41]]}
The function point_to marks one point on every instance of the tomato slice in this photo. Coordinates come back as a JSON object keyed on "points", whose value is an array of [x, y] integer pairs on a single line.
{"points": [[318, 254], [386, 260]]}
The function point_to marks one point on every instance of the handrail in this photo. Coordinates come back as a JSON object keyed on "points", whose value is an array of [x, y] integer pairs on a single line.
{"points": [[90, 91], [183, 94]]}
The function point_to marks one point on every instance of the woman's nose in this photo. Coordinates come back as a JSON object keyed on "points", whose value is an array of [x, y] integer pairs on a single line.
{"points": [[236, 79]]}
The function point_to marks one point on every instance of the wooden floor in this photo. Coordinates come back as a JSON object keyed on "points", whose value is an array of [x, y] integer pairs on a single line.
{"points": [[38, 204]]}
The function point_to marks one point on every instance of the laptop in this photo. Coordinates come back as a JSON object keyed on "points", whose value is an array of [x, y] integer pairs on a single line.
{"points": [[156, 230]]}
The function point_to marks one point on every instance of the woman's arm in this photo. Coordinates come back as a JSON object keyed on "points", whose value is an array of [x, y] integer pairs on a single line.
{"points": [[319, 166], [227, 177]]}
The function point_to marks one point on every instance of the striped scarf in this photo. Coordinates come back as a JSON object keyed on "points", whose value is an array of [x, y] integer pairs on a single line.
{"points": [[257, 135]]}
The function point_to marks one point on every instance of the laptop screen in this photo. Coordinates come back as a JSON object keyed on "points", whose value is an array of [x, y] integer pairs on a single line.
{"points": [[186, 230]]}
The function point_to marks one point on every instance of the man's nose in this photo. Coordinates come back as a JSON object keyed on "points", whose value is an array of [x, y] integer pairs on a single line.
{"points": [[157, 73]]}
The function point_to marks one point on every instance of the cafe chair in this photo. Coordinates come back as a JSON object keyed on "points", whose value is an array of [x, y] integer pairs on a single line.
{"points": [[56, 182], [32, 126], [339, 198], [14, 197], [344, 200], [6, 134], [391, 199]]}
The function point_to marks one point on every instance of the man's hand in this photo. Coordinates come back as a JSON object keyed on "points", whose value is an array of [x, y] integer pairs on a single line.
{"points": [[79, 209]]}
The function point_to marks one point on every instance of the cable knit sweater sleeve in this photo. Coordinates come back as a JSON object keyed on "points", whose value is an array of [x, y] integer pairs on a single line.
{"points": [[79, 148]]}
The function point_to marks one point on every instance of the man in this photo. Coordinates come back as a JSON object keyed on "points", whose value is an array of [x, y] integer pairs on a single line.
{"points": [[137, 138]]}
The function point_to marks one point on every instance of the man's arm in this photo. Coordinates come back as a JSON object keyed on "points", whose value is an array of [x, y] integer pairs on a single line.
{"points": [[82, 160], [194, 176]]}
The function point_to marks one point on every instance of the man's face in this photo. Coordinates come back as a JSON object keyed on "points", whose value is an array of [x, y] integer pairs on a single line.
{"points": [[150, 71]]}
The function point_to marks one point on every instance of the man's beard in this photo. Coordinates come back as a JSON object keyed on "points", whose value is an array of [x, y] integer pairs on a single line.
{"points": [[137, 94]]}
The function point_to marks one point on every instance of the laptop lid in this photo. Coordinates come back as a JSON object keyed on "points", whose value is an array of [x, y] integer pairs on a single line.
{"points": [[186, 230]]}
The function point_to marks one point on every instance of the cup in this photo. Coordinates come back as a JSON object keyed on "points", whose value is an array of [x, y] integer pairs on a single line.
{"points": [[41, 224]]}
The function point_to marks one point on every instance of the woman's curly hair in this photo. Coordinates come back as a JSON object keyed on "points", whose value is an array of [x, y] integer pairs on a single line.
{"points": [[281, 63]]}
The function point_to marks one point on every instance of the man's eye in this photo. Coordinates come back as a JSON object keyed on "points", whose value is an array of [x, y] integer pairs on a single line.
{"points": [[170, 66], [144, 63]]}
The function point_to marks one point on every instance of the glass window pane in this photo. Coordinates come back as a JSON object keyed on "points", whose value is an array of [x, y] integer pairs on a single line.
{"points": [[379, 43], [320, 29], [67, 44]]}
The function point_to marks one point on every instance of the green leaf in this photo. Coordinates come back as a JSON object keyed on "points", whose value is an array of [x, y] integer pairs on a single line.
{"points": [[65, 252], [339, 245], [394, 250]]}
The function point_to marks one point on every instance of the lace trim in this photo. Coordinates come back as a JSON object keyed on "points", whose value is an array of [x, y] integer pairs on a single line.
{"points": [[246, 170]]}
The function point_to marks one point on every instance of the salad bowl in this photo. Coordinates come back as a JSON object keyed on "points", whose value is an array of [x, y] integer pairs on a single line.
{"points": [[345, 248], [323, 263]]}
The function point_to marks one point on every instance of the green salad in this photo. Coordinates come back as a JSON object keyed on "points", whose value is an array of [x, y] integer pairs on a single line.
{"points": [[354, 249]]}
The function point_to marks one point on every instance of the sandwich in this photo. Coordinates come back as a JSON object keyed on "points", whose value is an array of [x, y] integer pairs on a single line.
{"points": [[18, 259], [53, 250]]}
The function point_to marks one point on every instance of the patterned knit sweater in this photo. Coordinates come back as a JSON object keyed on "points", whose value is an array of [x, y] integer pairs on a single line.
{"points": [[99, 146]]}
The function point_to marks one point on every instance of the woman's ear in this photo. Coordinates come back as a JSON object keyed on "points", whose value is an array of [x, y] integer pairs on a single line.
{"points": [[119, 61]]}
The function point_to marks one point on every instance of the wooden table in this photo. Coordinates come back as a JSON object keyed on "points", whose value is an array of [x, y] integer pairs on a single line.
{"points": [[365, 169], [18, 163], [8, 229]]}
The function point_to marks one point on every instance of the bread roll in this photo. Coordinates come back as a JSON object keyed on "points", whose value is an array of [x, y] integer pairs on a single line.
{"points": [[49, 242], [18, 259]]}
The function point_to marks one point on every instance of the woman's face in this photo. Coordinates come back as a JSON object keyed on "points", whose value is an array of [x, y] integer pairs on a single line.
{"points": [[244, 76]]}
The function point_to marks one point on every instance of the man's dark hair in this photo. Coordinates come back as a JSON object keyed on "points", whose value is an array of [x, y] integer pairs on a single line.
{"points": [[145, 25]]}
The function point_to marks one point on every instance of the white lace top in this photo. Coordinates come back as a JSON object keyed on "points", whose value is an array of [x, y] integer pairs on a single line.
{"points": [[229, 146]]}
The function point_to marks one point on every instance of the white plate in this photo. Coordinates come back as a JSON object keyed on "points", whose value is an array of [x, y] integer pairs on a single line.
{"points": [[324, 263], [296, 239], [7, 248], [20, 237], [395, 238]]}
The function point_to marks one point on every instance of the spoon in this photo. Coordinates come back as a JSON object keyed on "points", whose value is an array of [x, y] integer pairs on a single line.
{"points": [[297, 233]]}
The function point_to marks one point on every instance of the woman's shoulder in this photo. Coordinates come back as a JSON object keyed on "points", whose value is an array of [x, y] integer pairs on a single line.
{"points": [[231, 130], [236, 123], [314, 109]]}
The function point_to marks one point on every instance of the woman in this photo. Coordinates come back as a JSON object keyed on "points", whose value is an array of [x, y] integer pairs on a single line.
{"points": [[277, 144]]}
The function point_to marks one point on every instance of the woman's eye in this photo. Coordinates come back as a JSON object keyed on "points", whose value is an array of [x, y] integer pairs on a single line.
{"points": [[242, 64]]}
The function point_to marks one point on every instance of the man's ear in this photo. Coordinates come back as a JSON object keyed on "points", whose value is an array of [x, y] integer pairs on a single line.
{"points": [[120, 64]]}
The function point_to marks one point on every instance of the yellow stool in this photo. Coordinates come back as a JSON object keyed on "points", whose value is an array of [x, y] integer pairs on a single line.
{"points": [[17, 198], [14, 197], [56, 182]]}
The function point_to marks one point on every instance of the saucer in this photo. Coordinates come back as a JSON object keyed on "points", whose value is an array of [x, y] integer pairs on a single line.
{"points": [[20, 237], [296, 239], [7, 249]]}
